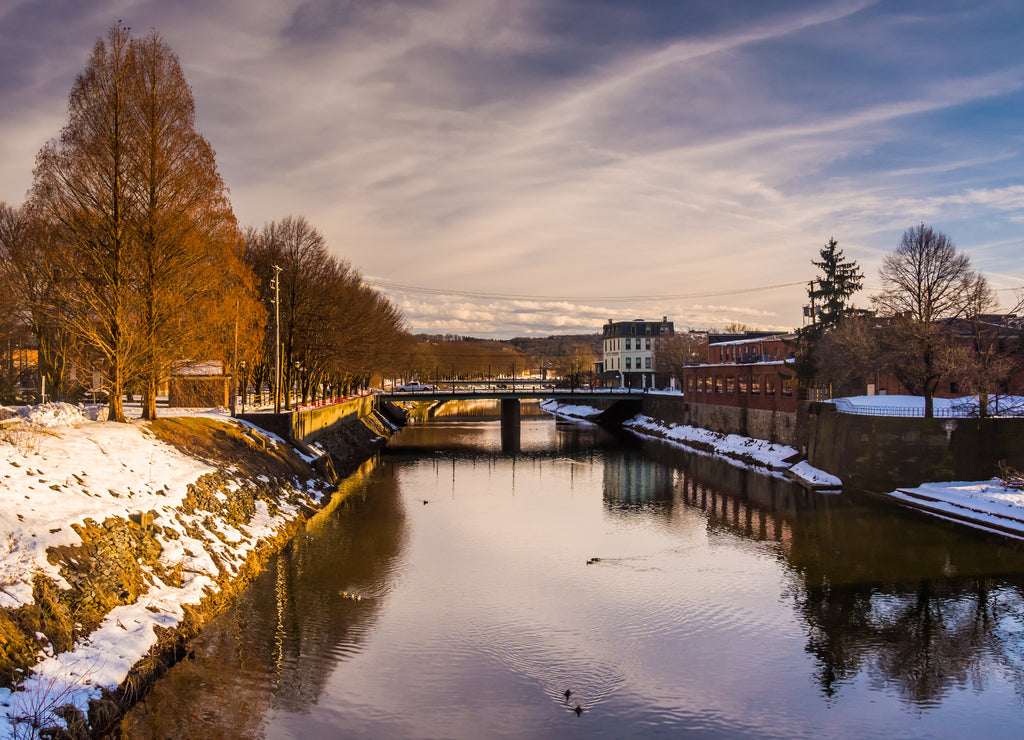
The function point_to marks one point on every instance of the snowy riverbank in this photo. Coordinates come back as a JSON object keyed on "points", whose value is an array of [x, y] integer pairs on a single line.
{"points": [[734, 448], [987, 505], [98, 514]]}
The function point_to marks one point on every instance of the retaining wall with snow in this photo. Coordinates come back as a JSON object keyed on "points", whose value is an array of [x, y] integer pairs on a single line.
{"points": [[775, 426], [882, 452]]}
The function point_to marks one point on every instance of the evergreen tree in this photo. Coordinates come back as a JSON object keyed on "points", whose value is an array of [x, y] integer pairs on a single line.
{"points": [[840, 279]]}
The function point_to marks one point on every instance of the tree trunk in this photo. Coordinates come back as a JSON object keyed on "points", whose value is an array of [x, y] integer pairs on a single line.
{"points": [[149, 399]]}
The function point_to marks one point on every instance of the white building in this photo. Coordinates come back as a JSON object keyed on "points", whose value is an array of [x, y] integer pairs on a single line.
{"points": [[628, 352]]}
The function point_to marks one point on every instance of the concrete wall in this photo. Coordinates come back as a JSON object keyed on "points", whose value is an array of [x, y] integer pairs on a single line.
{"points": [[884, 452], [310, 424], [775, 426]]}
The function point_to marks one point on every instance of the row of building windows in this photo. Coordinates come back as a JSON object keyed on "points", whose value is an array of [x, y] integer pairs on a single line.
{"points": [[752, 385], [629, 363], [613, 344]]}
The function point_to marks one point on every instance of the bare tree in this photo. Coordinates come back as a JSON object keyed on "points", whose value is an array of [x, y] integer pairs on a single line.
{"points": [[924, 280], [190, 270], [335, 331], [987, 352], [82, 191], [849, 354], [30, 289], [673, 352]]}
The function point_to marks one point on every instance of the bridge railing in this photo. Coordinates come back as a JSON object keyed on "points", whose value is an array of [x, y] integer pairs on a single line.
{"points": [[329, 401]]}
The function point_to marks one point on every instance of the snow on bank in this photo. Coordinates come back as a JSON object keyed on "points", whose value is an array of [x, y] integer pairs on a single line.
{"points": [[57, 468], [814, 477], [987, 505], [578, 411], [758, 451]]}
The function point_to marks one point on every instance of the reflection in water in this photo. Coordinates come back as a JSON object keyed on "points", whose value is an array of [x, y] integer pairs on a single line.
{"points": [[919, 605], [274, 649], [672, 593]]}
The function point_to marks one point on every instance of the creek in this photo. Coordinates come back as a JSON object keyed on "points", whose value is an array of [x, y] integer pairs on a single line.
{"points": [[460, 585]]}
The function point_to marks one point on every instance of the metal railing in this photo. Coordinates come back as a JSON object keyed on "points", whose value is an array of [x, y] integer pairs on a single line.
{"points": [[964, 410]]}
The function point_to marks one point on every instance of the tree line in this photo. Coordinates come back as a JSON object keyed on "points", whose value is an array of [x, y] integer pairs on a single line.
{"points": [[126, 258]]}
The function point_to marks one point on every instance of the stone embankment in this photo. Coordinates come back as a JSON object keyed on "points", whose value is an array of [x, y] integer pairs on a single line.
{"points": [[125, 539]]}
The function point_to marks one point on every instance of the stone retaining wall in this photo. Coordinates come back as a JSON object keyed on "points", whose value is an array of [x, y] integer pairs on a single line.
{"points": [[775, 426], [884, 452]]}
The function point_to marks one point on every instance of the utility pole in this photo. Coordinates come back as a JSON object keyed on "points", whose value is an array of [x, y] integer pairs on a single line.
{"points": [[810, 294], [277, 339]]}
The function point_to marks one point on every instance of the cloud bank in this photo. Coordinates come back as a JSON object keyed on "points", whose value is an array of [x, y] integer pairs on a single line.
{"points": [[598, 149]]}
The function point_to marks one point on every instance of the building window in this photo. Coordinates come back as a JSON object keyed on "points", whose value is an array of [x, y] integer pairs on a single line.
{"points": [[755, 385], [647, 363], [647, 343], [627, 364], [769, 385], [787, 386], [628, 343], [730, 384], [718, 384], [743, 385], [689, 383]]}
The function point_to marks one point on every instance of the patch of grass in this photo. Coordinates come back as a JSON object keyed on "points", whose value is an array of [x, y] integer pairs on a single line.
{"points": [[231, 445]]}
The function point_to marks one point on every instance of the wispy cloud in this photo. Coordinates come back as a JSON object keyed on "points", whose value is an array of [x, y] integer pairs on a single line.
{"points": [[510, 148]]}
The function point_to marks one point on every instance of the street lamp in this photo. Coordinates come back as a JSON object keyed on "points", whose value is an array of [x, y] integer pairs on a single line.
{"points": [[276, 283], [245, 383]]}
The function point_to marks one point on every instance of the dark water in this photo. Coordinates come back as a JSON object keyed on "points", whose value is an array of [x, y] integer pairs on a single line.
{"points": [[725, 604]]}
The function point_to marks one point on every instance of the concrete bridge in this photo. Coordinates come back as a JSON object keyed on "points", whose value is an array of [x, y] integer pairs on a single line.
{"points": [[305, 425], [509, 395]]}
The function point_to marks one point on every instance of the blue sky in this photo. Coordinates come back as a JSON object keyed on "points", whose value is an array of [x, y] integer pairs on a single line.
{"points": [[541, 166]]}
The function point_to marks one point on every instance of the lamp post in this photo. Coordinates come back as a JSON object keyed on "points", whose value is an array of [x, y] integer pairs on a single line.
{"points": [[245, 383], [277, 339]]}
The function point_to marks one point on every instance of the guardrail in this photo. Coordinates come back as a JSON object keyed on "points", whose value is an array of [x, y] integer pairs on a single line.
{"points": [[944, 412]]}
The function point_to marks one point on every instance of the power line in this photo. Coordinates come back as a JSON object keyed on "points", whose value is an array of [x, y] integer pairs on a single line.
{"points": [[401, 287]]}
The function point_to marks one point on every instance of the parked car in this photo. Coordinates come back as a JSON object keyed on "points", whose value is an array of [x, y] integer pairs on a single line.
{"points": [[413, 387]]}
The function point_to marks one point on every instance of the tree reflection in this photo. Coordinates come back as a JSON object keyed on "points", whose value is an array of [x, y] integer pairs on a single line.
{"points": [[277, 645], [918, 606]]}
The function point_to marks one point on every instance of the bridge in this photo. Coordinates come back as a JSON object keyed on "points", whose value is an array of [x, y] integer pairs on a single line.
{"points": [[493, 390], [510, 394], [306, 422]]}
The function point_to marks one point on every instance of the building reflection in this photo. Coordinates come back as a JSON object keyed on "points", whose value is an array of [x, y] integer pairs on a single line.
{"points": [[910, 603]]}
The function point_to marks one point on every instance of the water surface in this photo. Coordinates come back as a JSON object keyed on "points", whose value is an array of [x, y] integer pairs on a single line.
{"points": [[449, 595]]}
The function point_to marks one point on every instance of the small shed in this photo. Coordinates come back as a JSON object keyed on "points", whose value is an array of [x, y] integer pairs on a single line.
{"points": [[199, 385]]}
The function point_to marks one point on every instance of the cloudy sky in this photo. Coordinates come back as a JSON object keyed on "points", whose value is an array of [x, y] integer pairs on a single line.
{"points": [[513, 167]]}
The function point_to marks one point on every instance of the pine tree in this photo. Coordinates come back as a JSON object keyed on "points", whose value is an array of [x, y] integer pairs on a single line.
{"points": [[840, 279]]}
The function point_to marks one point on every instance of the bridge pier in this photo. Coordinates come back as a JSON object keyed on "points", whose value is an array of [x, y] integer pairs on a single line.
{"points": [[510, 432]]}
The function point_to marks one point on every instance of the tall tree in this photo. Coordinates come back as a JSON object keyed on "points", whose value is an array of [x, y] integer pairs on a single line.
{"points": [[82, 190], [149, 246], [189, 248], [924, 280], [838, 280]]}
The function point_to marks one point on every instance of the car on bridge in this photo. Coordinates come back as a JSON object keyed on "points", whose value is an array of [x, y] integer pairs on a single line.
{"points": [[413, 387]]}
